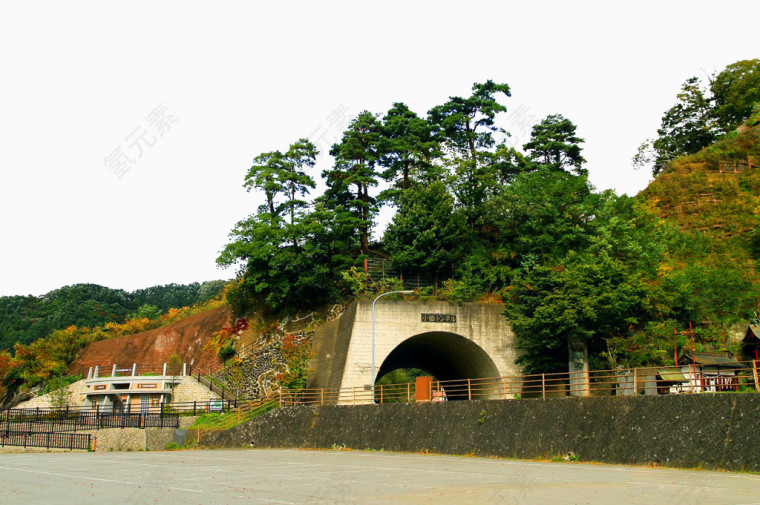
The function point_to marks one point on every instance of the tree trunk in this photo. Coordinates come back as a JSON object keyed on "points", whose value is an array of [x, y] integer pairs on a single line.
{"points": [[471, 142]]}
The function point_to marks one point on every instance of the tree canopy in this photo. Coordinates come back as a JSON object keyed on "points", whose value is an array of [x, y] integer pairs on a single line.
{"points": [[702, 114], [486, 220]]}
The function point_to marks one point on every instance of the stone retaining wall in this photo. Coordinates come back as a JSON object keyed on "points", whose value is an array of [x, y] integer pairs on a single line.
{"points": [[132, 439], [75, 392], [189, 390], [715, 431]]}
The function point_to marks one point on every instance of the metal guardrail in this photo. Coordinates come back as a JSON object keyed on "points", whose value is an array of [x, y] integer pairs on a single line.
{"points": [[217, 387], [45, 440], [245, 412], [52, 421], [623, 382]]}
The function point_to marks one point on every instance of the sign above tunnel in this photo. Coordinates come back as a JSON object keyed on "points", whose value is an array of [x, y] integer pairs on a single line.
{"points": [[439, 318]]}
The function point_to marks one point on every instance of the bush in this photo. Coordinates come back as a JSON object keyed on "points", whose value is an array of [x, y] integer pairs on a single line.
{"points": [[227, 352]]}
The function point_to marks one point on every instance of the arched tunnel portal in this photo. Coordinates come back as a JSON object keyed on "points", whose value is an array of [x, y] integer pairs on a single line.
{"points": [[447, 356]]}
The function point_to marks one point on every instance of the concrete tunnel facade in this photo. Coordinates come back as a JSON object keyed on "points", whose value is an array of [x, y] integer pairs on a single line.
{"points": [[450, 340]]}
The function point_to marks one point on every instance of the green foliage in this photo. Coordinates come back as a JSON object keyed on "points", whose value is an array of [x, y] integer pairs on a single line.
{"points": [[402, 376], [24, 319], [553, 144], [736, 91], [286, 265], [174, 366], [356, 281], [467, 289], [409, 150], [467, 127], [60, 395], [297, 355], [700, 116], [357, 159], [227, 352], [581, 299], [585, 262], [487, 222], [148, 312], [60, 382], [426, 234]]}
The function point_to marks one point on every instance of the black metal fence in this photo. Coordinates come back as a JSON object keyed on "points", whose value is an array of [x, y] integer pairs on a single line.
{"points": [[217, 387], [51, 420], [46, 440]]}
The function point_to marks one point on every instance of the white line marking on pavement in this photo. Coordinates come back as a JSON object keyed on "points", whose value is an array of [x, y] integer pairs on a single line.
{"points": [[66, 475]]}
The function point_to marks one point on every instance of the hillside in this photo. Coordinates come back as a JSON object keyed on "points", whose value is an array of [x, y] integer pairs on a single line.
{"points": [[715, 193], [186, 338], [24, 319]]}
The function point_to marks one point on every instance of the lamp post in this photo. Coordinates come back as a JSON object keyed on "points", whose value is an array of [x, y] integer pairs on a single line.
{"points": [[405, 292]]}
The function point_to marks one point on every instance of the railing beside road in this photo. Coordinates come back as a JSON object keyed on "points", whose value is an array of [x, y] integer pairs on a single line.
{"points": [[45, 440], [622, 382], [51, 420]]}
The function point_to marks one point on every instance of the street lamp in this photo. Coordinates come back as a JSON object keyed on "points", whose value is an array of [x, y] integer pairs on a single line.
{"points": [[405, 292]]}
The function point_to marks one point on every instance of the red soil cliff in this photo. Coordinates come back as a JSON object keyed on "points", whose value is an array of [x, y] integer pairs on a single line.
{"points": [[186, 338]]}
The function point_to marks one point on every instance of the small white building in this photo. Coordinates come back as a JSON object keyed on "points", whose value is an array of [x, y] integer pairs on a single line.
{"points": [[131, 389]]}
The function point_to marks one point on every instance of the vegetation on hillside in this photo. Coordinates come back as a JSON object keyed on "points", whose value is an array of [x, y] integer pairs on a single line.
{"points": [[46, 360], [703, 114], [24, 319], [484, 219]]}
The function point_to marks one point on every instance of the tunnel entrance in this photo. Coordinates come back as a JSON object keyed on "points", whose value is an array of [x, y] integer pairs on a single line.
{"points": [[446, 356]]}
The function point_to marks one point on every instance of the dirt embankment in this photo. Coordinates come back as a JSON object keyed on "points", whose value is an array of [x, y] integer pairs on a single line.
{"points": [[186, 338]]}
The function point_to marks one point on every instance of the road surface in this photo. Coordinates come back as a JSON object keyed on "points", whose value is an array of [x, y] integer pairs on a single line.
{"points": [[302, 477]]}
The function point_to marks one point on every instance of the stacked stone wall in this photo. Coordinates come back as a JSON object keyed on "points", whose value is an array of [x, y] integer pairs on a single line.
{"points": [[190, 390], [714, 431], [75, 391]]}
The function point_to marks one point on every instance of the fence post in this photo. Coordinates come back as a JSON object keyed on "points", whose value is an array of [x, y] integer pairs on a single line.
{"points": [[754, 372], [588, 383], [543, 386], [194, 405], [381, 393], [469, 389], [635, 382], [322, 396], [408, 392]]}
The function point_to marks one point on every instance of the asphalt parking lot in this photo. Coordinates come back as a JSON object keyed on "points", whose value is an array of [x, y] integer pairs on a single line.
{"points": [[268, 476]]}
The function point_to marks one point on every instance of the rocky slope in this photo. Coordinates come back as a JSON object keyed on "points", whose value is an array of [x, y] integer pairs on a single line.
{"points": [[187, 338]]}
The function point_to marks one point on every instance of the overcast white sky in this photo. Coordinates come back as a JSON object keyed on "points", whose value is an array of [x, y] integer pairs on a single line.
{"points": [[180, 96]]}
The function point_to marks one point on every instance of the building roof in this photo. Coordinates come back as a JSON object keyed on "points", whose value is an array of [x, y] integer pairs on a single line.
{"points": [[670, 375], [712, 359], [119, 392], [753, 331]]}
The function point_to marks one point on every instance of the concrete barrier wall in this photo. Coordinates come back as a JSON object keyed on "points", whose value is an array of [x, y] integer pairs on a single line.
{"points": [[718, 431], [132, 439]]}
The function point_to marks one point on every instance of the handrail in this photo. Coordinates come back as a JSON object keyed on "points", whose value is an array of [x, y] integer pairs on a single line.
{"points": [[245, 412], [622, 382]]}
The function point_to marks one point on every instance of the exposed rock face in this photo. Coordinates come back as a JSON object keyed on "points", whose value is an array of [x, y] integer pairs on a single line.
{"points": [[254, 374], [186, 338]]}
